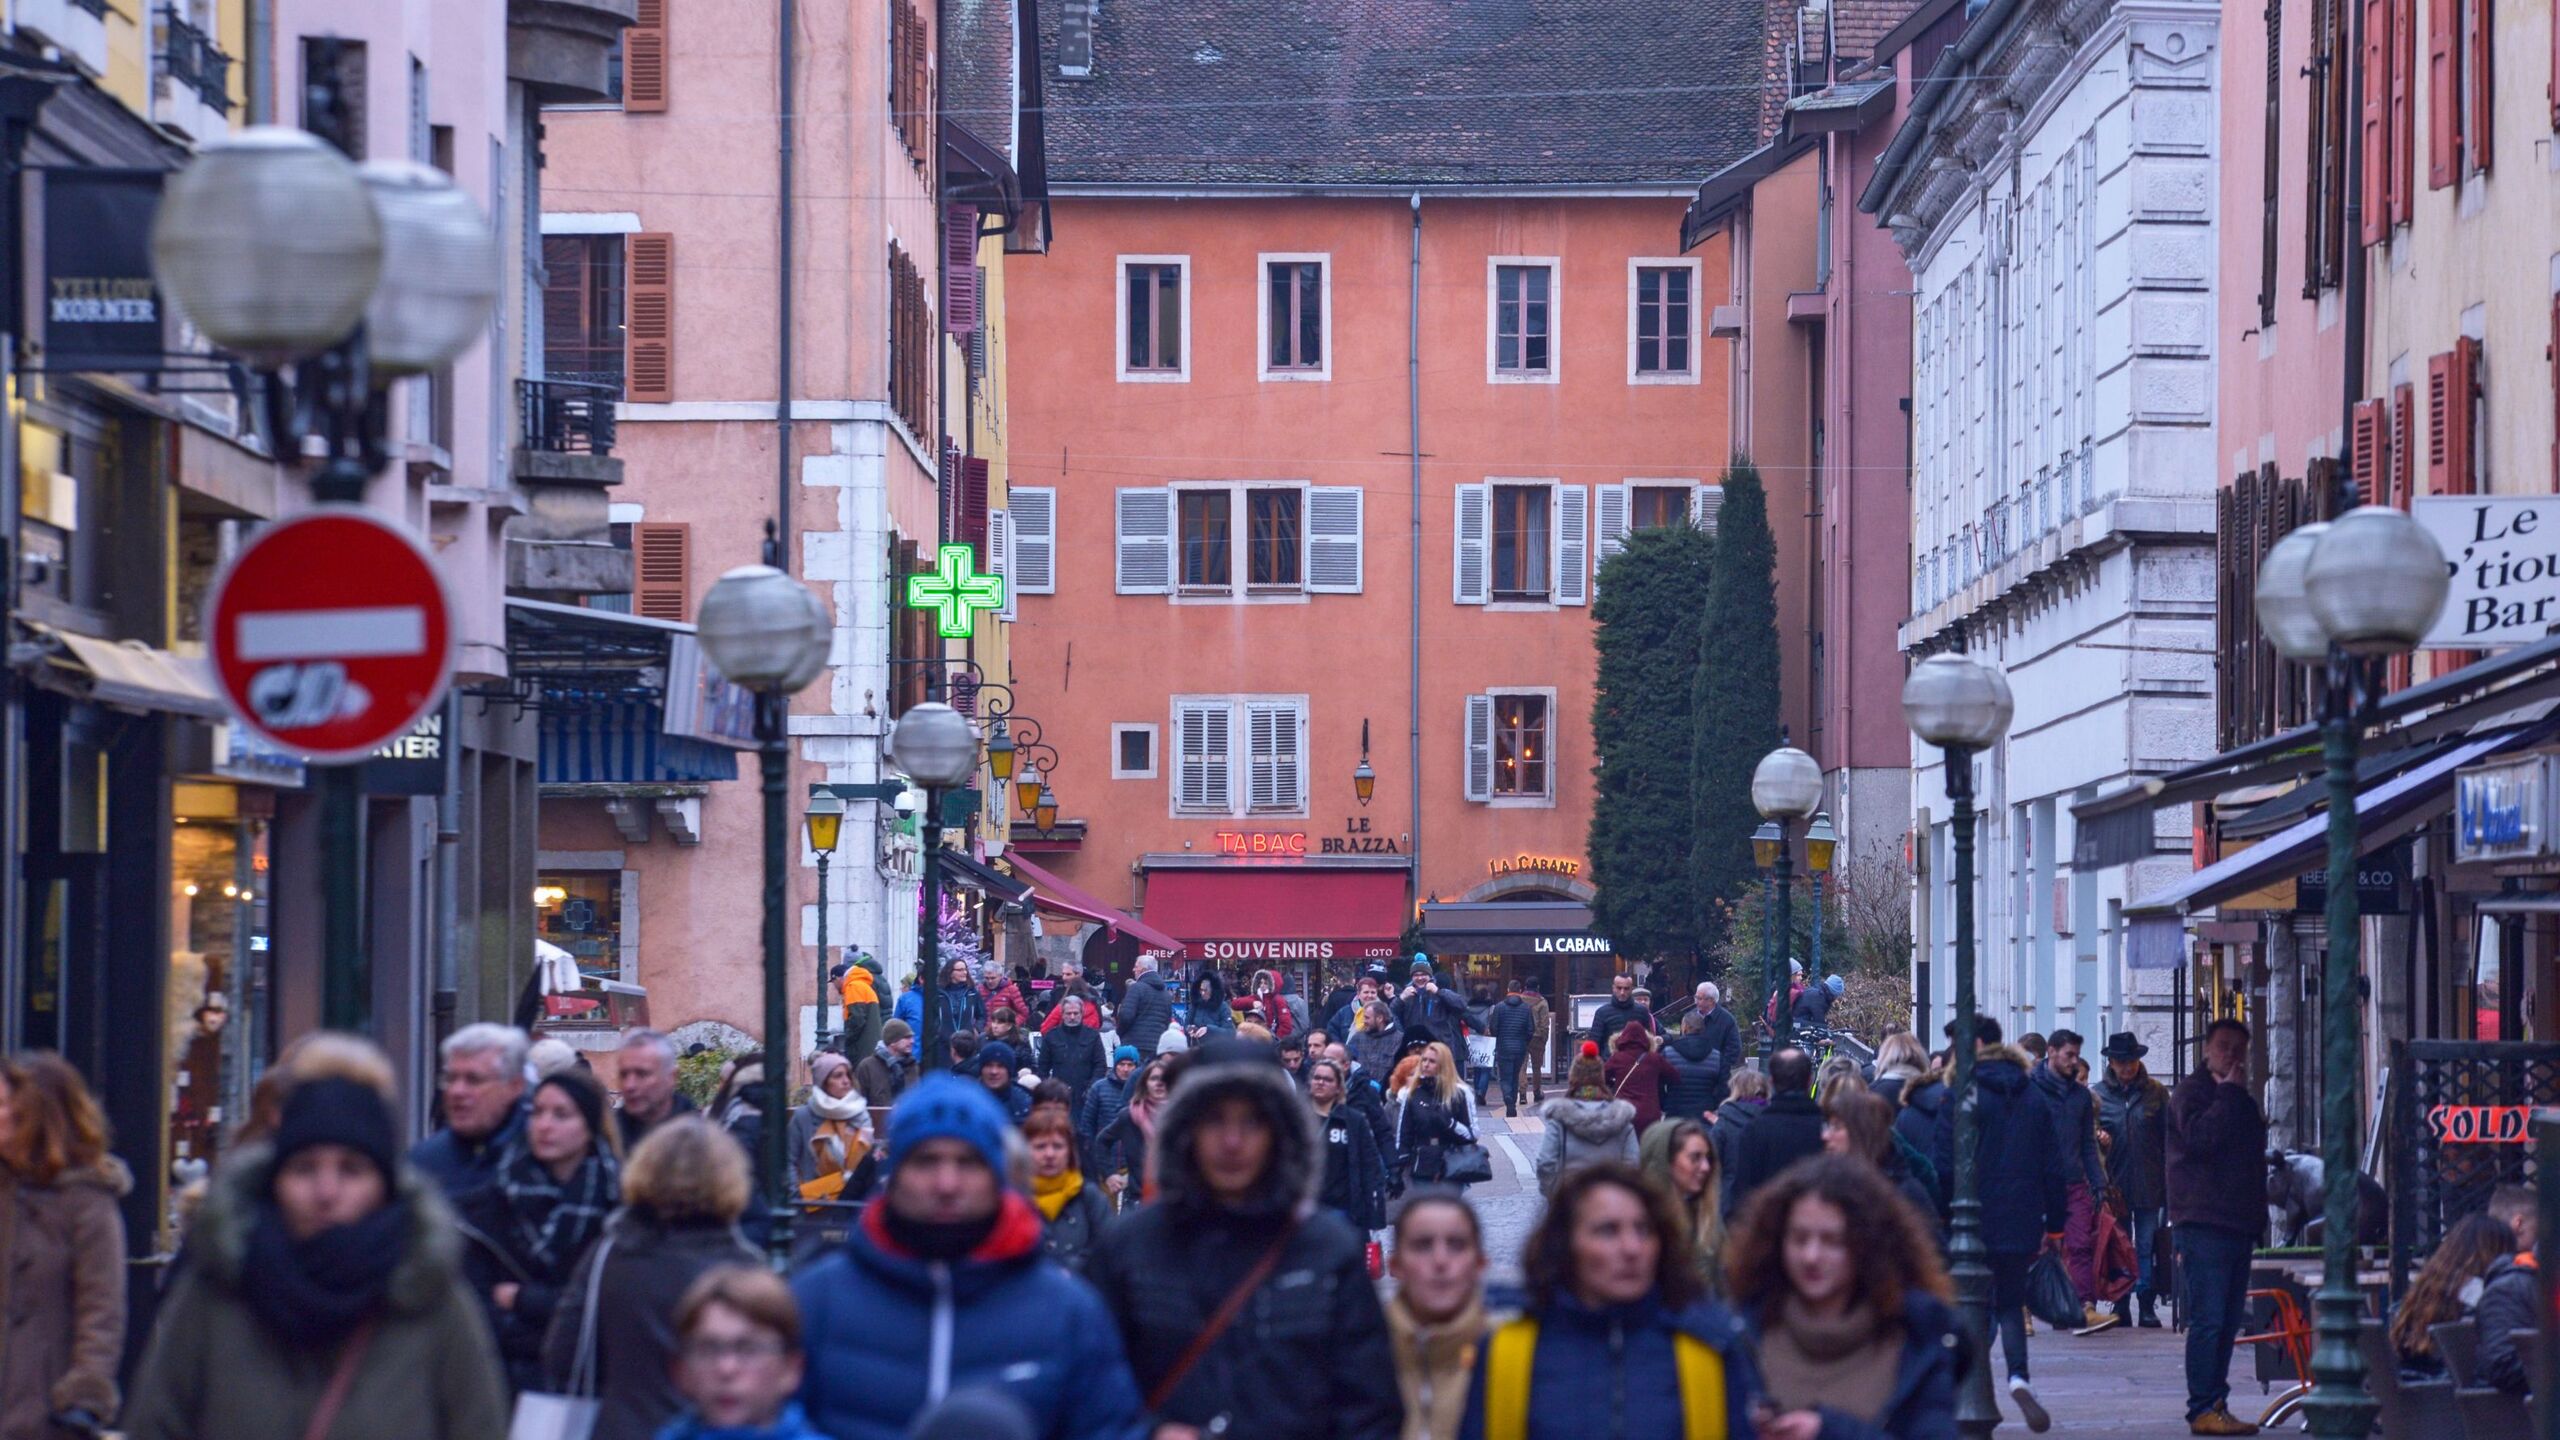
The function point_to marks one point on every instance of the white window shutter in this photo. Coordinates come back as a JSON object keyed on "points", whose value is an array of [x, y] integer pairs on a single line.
{"points": [[1609, 524], [1034, 563], [1000, 556], [1573, 545], [1143, 518], [1217, 752], [1471, 581], [1274, 772], [1479, 747], [1333, 539], [1704, 502], [1201, 769], [1290, 732]]}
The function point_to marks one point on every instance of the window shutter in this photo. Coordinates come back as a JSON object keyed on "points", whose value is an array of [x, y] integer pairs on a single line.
{"points": [[2463, 448], [644, 60], [2479, 127], [2375, 152], [1470, 582], [2404, 444], [1479, 747], [970, 517], [2404, 121], [661, 561], [649, 324], [1276, 769], [1143, 520], [1333, 539], [2444, 93], [2439, 421], [2272, 163], [1573, 545], [1000, 556], [1035, 541], [2551, 352], [1206, 770], [1704, 505], [960, 270], [2365, 450], [1610, 523]]}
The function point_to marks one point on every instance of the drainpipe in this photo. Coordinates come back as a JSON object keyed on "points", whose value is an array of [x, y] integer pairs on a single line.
{"points": [[1413, 551], [782, 289], [258, 77], [448, 958], [2351, 284]]}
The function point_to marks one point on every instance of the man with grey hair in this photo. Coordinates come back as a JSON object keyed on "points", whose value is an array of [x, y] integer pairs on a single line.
{"points": [[481, 1088], [645, 1077], [1146, 1009], [1723, 1038]]}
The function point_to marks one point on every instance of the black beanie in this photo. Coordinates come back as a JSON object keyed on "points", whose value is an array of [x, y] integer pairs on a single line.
{"points": [[337, 1111], [583, 1092]]}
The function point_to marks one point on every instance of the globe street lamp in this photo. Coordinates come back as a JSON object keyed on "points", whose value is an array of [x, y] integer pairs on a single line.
{"points": [[2366, 585], [764, 631], [937, 748], [1961, 705], [825, 823], [1785, 788]]}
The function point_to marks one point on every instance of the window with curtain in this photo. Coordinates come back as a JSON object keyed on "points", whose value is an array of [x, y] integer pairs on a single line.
{"points": [[1523, 544]]}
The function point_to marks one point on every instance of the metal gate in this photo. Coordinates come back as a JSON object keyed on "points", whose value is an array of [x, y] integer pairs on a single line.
{"points": [[2459, 1113]]}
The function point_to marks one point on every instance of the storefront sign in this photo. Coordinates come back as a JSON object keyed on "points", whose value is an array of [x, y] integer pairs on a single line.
{"points": [[239, 755], [1570, 945], [2503, 552], [1262, 842], [2502, 810], [1271, 951], [414, 763], [1355, 839], [2479, 1124], [1535, 864], [2382, 884], [100, 305]]}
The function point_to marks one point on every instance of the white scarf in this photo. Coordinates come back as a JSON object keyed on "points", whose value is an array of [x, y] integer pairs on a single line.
{"points": [[849, 1107]]}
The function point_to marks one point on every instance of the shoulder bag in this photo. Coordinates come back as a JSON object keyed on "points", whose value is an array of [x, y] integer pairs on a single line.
{"points": [[342, 1378], [1225, 1316], [571, 1416]]}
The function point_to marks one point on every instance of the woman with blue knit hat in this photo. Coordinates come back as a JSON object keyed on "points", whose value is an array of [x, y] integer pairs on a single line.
{"points": [[943, 1287]]}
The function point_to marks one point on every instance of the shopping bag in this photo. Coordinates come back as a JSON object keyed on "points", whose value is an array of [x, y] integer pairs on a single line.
{"points": [[2051, 1297], [2117, 1268], [543, 1416], [1377, 1260]]}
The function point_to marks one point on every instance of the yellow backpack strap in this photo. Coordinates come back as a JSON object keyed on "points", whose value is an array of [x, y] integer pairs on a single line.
{"points": [[1506, 1381], [1702, 1402]]}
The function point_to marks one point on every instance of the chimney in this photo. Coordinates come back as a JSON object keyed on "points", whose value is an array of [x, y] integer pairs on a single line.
{"points": [[1075, 37]]}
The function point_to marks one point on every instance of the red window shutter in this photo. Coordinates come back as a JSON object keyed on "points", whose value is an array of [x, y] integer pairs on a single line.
{"points": [[971, 522], [2439, 422], [2478, 126], [2365, 450], [2444, 93], [644, 59], [960, 299], [2404, 123], [662, 557], [2404, 444], [2375, 151], [649, 322], [2462, 442]]}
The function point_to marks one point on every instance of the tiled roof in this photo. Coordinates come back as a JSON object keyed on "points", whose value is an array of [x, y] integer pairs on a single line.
{"points": [[1861, 23], [1394, 92], [977, 69]]}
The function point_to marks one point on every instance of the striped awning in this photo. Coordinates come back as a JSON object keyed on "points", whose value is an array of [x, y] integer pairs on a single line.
{"points": [[626, 744]]}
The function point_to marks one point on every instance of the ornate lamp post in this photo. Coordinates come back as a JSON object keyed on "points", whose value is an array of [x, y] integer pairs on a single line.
{"points": [[1821, 844], [2343, 595], [1961, 705], [1785, 788], [766, 632], [825, 823], [1364, 781], [937, 748]]}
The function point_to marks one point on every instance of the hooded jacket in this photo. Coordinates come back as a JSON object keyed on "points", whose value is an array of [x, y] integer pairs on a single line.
{"points": [[2136, 1119], [2022, 1180], [1916, 1125], [1584, 1132], [1102, 1104], [61, 1296], [1284, 1013], [889, 1333], [1637, 1075], [1734, 1119], [1513, 1024], [1933, 1358], [1437, 1014], [1004, 995], [1145, 1010], [1355, 1167], [1789, 1129], [1697, 1075], [1015, 1100], [1613, 1374], [1307, 1356], [215, 1371]]}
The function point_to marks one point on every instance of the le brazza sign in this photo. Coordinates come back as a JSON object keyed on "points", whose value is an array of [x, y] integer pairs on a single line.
{"points": [[331, 634], [2503, 553]]}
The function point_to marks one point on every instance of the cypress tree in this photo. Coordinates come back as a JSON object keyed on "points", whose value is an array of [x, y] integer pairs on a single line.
{"points": [[1734, 698], [1647, 638]]}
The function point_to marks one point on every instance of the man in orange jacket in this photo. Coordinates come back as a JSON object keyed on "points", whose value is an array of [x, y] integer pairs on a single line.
{"points": [[861, 1005]]}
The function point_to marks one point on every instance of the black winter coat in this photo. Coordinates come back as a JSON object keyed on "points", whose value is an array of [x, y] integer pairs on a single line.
{"points": [[1143, 1014], [2136, 1119], [1917, 1125], [1513, 1024], [1073, 1053], [1733, 1120], [1355, 1173], [1437, 1015], [2218, 1157], [1786, 1132], [1611, 1014], [1102, 1104], [645, 1273], [2024, 1198], [2507, 1304], [1697, 1076], [2075, 1126], [1070, 1238], [1425, 1130]]}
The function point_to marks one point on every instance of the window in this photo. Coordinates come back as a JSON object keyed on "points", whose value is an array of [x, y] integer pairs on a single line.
{"points": [[911, 81], [1642, 505], [1297, 310], [1274, 538], [1133, 752], [1153, 324], [1662, 320], [2460, 89], [639, 73], [1658, 507], [1510, 747], [1208, 781], [1208, 531], [1523, 329], [582, 336], [1521, 542], [1298, 540], [913, 346]]}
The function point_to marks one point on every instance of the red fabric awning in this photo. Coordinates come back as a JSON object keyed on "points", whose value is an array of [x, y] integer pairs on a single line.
{"points": [[1051, 893], [1280, 912]]}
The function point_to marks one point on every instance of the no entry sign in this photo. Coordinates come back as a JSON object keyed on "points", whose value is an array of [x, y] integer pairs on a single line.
{"points": [[331, 634]]}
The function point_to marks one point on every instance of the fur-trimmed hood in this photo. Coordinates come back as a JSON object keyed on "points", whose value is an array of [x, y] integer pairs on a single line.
{"points": [[1593, 1122], [1228, 1069], [218, 1242]]}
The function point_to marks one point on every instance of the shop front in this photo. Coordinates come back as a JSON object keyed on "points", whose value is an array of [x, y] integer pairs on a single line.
{"points": [[1316, 919], [1544, 939]]}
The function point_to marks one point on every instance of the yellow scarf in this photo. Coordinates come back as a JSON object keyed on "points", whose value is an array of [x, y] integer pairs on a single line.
{"points": [[1051, 1193]]}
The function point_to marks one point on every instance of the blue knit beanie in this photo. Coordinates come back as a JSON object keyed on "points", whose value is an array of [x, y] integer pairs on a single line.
{"points": [[1125, 1052], [947, 1107]]}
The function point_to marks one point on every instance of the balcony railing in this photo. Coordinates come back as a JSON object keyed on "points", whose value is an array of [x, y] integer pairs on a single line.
{"points": [[567, 416], [192, 59]]}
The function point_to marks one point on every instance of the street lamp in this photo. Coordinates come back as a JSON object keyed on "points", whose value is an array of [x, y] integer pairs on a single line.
{"points": [[1045, 814], [1000, 752], [937, 748], [1026, 787], [2366, 585], [825, 822], [1785, 787], [1364, 781], [764, 631], [1821, 843], [1961, 704]]}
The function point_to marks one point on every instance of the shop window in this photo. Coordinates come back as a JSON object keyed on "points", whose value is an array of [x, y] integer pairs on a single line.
{"points": [[1522, 544], [581, 912]]}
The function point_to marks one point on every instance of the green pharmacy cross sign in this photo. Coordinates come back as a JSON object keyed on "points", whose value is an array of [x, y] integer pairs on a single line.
{"points": [[957, 591]]}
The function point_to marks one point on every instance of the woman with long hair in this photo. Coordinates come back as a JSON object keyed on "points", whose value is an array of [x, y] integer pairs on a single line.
{"points": [[1436, 1318], [682, 1193], [1857, 1122], [62, 1246], [2446, 1289], [1899, 1060], [1677, 1155], [1434, 1112], [546, 1202], [1841, 1282], [1618, 1337], [1121, 1148], [1584, 1125], [1074, 1211]]}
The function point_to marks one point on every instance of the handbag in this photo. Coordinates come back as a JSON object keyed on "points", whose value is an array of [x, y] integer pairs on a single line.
{"points": [[1467, 1164], [2051, 1297], [541, 1415]]}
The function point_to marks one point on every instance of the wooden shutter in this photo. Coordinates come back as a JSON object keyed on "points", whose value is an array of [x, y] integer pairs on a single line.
{"points": [[2551, 352], [1000, 556], [2404, 444], [1704, 505], [1470, 580], [649, 318], [1275, 771], [1035, 540], [960, 299], [969, 515], [2404, 120], [1479, 747], [1204, 769], [2367, 453], [2444, 93], [1333, 539], [2272, 164], [644, 60], [2452, 378], [2480, 63], [1143, 518], [1610, 520], [2375, 119], [1573, 545], [662, 556]]}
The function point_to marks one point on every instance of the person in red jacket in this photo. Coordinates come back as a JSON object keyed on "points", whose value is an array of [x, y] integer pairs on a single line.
{"points": [[1636, 1074], [995, 988]]}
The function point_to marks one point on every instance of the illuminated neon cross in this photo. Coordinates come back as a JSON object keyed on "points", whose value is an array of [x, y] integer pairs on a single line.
{"points": [[957, 591]]}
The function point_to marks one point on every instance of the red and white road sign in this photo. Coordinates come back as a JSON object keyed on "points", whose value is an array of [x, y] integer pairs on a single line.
{"points": [[331, 634]]}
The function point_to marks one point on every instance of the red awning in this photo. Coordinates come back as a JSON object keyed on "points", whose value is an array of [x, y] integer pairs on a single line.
{"points": [[1280, 912], [1051, 893]]}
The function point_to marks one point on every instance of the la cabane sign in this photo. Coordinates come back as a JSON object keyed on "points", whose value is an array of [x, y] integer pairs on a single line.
{"points": [[2503, 552]]}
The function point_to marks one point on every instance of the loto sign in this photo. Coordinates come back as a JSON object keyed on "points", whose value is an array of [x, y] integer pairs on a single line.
{"points": [[2503, 553]]}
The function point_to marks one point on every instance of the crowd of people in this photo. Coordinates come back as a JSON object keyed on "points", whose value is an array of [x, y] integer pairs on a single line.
{"points": [[1148, 1216]]}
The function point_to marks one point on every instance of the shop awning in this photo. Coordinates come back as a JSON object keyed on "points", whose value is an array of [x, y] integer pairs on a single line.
{"points": [[134, 676], [1051, 893], [1518, 927], [1278, 913], [972, 874]]}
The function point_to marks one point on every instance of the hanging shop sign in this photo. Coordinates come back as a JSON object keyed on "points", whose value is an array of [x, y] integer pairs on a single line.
{"points": [[2502, 810], [1525, 864], [101, 308], [413, 764], [2382, 884], [2503, 552], [2479, 1124], [955, 592]]}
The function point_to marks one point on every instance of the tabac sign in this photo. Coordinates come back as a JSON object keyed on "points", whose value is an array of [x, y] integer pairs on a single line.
{"points": [[2503, 553]]}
